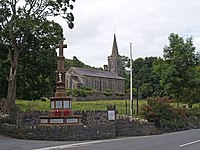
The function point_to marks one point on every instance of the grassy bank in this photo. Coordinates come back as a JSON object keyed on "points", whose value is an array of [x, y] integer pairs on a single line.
{"points": [[123, 106]]}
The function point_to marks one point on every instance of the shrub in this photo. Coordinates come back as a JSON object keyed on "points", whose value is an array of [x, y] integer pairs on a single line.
{"points": [[195, 111], [79, 92], [163, 114]]}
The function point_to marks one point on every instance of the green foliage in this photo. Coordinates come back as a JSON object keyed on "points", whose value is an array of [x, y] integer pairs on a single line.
{"points": [[75, 62], [82, 92], [37, 68], [108, 92], [163, 114], [26, 32], [195, 110], [134, 91], [146, 90], [144, 77], [178, 69], [26, 105]]}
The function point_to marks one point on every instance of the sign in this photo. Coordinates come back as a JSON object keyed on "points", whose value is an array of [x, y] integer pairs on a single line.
{"points": [[42, 121], [72, 120], [111, 115], [56, 120], [66, 104], [58, 104]]}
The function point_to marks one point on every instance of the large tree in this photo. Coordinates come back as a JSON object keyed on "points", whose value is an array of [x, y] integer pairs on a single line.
{"points": [[38, 64], [180, 59], [19, 20]]}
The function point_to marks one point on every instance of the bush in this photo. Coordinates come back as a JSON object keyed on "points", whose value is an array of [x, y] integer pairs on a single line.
{"points": [[195, 111], [107, 93], [164, 115], [79, 92]]}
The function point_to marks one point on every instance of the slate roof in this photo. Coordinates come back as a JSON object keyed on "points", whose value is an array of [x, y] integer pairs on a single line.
{"points": [[96, 73]]}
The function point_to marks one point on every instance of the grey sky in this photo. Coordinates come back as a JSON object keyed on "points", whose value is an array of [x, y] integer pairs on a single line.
{"points": [[145, 23]]}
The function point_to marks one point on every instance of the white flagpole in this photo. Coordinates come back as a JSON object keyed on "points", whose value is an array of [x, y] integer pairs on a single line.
{"points": [[131, 82]]}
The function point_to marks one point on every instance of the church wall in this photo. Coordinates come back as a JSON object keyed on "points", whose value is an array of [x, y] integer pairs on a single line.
{"points": [[102, 84], [97, 83]]}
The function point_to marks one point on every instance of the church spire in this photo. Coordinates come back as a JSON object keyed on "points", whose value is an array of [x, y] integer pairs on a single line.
{"points": [[115, 61], [115, 52]]}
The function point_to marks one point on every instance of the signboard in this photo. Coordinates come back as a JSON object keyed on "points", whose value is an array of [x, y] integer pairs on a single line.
{"points": [[42, 121], [111, 115], [72, 120], [58, 104], [66, 104], [56, 120]]}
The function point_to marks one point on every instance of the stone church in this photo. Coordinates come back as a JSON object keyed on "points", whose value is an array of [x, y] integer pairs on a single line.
{"points": [[99, 80]]}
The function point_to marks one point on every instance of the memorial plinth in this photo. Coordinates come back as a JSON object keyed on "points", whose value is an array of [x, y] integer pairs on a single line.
{"points": [[60, 112]]}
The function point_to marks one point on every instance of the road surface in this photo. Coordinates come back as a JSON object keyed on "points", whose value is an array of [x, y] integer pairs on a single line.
{"points": [[185, 140]]}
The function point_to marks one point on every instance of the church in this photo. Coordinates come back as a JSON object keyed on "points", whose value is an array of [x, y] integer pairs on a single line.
{"points": [[99, 80]]}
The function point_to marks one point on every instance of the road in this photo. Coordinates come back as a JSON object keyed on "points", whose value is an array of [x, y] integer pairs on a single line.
{"points": [[185, 140]]}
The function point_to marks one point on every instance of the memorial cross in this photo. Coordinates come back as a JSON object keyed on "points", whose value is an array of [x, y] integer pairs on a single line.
{"points": [[61, 46]]}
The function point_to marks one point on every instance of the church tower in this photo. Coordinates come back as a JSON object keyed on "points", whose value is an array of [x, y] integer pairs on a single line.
{"points": [[115, 61]]}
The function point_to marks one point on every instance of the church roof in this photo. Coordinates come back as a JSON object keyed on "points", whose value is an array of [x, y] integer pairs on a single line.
{"points": [[115, 52], [96, 73]]}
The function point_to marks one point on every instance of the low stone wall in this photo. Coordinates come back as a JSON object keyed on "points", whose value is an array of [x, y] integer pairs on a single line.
{"points": [[95, 125], [78, 132], [30, 118], [127, 127], [192, 122]]}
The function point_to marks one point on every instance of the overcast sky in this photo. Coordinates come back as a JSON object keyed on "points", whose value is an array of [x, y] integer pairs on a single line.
{"points": [[145, 23]]}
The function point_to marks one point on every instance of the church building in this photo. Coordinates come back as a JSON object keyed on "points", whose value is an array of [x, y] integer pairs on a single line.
{"points": [[99, 80]]}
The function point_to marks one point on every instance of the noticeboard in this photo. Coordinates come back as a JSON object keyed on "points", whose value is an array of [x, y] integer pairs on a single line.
{"points": [[111, 115]]}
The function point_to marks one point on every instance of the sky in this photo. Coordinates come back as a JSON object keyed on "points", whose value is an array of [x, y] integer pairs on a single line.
{"points": [[146, 24]]}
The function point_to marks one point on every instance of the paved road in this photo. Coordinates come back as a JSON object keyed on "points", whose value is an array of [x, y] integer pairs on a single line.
{"points": [[186, 140]]}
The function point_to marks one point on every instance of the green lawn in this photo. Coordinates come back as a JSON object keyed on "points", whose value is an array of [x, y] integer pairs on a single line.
{"points": [[26, 105]]}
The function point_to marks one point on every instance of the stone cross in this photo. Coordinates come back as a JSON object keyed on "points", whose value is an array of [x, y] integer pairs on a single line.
{"points": [[61, 46]]}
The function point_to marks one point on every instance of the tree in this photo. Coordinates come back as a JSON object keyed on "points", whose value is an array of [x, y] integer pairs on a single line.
{"points": [[192, 91], [159, 67], [180, 60], [75, 62], [144, 78], [37, 66], [17, 23]]}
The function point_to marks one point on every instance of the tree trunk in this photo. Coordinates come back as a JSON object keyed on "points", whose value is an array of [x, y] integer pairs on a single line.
{"points": [[11, 92], [11, 95]]}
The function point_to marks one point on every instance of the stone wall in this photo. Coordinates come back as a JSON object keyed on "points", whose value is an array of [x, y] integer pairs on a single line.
{"points": [[101, 131], [127, 127], [95, 125]]}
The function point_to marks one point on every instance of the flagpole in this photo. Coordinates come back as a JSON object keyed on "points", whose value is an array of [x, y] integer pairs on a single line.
{"points": [[131, 82]]}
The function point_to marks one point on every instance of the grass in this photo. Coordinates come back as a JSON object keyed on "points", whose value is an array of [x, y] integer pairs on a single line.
{"points": [[26, 105], [122, 106]]}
